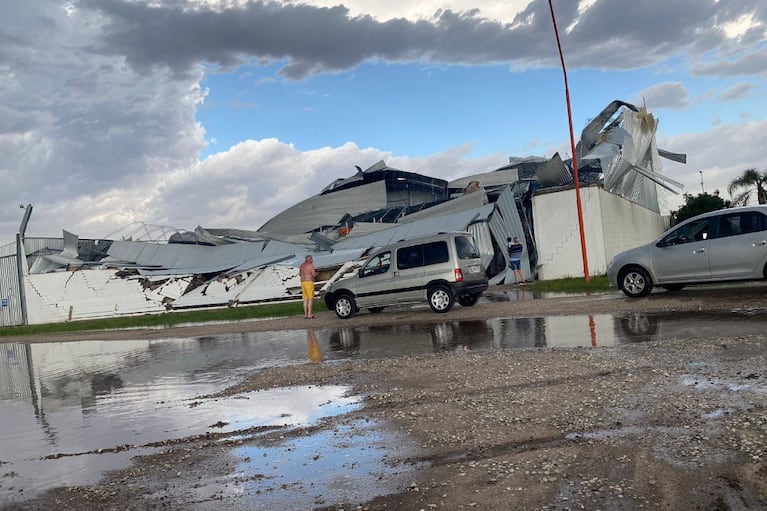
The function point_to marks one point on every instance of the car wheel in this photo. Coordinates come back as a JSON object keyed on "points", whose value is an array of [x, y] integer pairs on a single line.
{"points": [[468, 300], [639, 327], [375, 310], [441, 299], [673, 287], [635, 282], [345, 306]]}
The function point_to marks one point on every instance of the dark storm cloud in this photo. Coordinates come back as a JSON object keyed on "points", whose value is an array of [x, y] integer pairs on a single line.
{"points": [[78, 124], [610, 34], [311, 39], [626, 34]]}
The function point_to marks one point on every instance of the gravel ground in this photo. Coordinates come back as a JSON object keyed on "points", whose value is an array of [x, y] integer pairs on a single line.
{"points": [[672, 424]]}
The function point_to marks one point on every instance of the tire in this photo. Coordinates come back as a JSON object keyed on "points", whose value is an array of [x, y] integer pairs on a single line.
{"points": [[345, 306], [639, 326], [673, 287], [635, 282], [441, 299], [468, 300], [375, 310]]}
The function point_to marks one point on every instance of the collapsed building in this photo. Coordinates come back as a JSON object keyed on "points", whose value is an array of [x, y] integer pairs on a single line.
{"points": [[622, 192]]}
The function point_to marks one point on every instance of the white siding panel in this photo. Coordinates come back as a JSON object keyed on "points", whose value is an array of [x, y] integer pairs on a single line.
{"points": [[611, 224], [63, 296], [272, 283]]}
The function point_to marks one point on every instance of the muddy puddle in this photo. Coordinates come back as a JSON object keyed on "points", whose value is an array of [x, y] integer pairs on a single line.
{"points": [[62, 402]]}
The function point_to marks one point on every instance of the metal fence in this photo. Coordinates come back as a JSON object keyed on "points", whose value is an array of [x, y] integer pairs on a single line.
{"points": [[11, 313]]}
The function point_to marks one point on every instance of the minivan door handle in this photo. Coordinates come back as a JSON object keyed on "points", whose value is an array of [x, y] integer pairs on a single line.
{"points": [[699, 251], [759, 243]]}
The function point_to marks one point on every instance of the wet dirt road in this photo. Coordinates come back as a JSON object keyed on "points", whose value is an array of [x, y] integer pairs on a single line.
{"points": [[482, 411]]}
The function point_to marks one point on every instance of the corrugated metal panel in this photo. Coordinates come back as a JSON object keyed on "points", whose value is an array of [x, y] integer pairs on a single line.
{"points": [[322, 210], [14, 373], [462, 203], [483, 238], [362, 228], [8, 249], [260, 262], [184, 258], [11, 313], [494, 178], [553, 172], [32, 245], [443, 223], [336, 258], [505, 223]]}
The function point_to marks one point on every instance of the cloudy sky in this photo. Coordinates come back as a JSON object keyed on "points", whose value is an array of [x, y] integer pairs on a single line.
{"points": [[222, 113]]}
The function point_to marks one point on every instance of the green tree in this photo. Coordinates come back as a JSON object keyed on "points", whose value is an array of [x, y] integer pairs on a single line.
{"points": [[751, 180], [697, 204]]}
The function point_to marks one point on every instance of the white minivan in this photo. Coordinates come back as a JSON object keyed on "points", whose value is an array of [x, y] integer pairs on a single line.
{"points": [[438, 269]]}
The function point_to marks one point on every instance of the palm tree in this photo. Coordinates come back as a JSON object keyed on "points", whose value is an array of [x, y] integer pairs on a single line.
{"points": [[750, 179]]}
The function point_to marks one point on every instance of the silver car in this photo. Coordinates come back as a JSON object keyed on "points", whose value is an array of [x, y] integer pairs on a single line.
{"points": [[438, 269], [719, 246]]}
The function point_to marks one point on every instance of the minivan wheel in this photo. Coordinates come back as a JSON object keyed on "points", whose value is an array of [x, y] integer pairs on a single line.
{"points": [[635, 282], [441, 299], [468, 300], [345, 306]]}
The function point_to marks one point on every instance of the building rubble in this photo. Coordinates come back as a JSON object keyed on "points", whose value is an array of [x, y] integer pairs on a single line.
{"points": [[67, 278]]}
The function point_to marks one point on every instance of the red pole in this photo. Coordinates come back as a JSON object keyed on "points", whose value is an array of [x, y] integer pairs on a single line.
{"points": [[572, 146]]}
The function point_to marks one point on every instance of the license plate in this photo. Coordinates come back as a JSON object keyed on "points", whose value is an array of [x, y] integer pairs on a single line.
{"points": [[474, 269]]}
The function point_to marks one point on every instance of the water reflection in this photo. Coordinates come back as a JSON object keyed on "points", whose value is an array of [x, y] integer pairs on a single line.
{"points": [[79, 396], [73, 398], [689, 325], [313, 346]]}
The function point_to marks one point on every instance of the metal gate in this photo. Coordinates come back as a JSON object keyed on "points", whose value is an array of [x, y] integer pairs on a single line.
{"points": [[11, 313]]}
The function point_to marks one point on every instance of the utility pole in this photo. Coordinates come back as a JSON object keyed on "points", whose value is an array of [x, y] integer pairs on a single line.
{"points": [[702, 190], [21, 255], [578, 205]]}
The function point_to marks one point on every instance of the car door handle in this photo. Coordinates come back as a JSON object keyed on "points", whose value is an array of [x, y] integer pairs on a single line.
{"points": [[759, 243], [699, 251]]}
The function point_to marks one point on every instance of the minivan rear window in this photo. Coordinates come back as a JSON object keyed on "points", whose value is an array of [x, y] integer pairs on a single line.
{"points": [[435, 253], [422, 255], [465, 248]]}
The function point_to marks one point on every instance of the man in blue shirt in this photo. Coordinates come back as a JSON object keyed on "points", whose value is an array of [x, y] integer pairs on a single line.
{"points": [[516, 249]]}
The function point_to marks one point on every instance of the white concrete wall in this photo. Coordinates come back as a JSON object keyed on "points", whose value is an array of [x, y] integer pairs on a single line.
{"points": [[88, 294], [95, 293], [627, 225], [557, 235], [611, 225]]}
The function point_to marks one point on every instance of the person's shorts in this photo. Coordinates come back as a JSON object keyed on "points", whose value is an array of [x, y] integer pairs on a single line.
{"points": [[515, 264], [307, 289]]}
